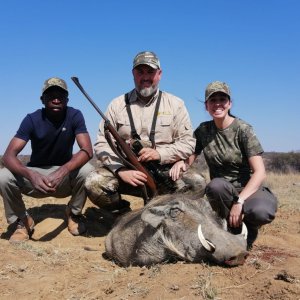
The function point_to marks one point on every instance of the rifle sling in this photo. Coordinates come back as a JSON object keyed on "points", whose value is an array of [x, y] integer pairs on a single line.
{"points": [[134, 133]]}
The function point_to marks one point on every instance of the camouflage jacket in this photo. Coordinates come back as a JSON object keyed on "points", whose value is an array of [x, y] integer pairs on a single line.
{"points": [[227, 151]]}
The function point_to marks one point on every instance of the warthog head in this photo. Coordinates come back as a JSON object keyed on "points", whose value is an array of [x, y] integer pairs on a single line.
{"points": [[174, 227]]}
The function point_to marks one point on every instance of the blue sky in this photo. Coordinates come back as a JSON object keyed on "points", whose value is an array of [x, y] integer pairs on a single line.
{"points": [[253, 45]]}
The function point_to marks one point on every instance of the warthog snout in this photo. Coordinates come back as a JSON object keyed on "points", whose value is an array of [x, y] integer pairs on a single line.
{"points": [[237, 260]]}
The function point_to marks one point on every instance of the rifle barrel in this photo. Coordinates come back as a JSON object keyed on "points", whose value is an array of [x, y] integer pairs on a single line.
{"points": [[76, 81]]}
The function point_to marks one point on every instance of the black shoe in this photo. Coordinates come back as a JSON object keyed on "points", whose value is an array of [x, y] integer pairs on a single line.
{"points": [[252, 235], [235, 230]]}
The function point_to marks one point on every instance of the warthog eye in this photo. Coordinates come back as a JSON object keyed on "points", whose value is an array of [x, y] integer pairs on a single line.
{"points": [[174, 212]]}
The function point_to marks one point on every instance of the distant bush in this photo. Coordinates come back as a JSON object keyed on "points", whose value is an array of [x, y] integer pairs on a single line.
{"points": [[277, 162], [286, 162]]}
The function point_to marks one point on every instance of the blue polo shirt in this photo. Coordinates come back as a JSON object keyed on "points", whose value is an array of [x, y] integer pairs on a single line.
{"points": [[51, 143]]}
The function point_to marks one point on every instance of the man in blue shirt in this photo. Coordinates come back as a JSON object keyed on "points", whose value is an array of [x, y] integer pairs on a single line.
{"points": [[53, 169]]}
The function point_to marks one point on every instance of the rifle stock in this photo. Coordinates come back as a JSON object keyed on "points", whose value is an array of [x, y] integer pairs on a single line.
{"points": [[122, 144]]}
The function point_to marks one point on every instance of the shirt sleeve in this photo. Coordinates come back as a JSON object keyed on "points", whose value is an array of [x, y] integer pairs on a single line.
{"points": [[79, 123], [25, 129], [250, 142], [199, 146]]}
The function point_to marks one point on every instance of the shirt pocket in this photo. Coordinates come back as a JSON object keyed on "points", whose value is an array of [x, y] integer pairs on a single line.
{"points": [[164, 130], [124, 128]]}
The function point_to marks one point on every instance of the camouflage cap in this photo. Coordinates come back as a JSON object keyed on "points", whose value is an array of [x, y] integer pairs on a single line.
{"points": [[54, 81], [146, 58], [216, 86]]}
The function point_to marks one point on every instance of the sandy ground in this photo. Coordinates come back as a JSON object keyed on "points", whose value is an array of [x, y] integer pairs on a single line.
{"points": [[56, 265]]}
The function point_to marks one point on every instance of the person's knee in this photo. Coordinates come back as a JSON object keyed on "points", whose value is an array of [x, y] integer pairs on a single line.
{"points": [[100, 183], [260, 215], [5, 177], [215, 187], [85, 171], [260, 208], [102, 190]]}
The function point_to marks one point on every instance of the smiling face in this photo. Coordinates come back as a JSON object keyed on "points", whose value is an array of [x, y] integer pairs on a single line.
{"points": [[146, 80], [218, 105]]}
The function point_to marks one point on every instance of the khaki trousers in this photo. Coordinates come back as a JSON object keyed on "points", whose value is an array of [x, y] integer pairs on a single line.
{"points": [[13, 186]]}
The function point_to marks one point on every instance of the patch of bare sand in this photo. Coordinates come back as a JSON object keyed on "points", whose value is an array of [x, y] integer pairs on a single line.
{"points": [[56, 265]]}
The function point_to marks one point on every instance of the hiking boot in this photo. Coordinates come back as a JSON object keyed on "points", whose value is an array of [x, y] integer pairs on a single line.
{"points": [[252, 235], [24, 230], [235, 230], [242, 229], [75, 223]]}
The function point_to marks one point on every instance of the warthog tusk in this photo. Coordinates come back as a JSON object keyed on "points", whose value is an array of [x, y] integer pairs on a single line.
{"points": [[244, 232], [205, 243]]}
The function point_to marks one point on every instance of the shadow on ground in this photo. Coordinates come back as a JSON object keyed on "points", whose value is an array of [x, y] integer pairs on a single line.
{"points": [[98, 221]]}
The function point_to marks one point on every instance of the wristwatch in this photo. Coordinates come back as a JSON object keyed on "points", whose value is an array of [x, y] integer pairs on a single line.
{"points": [[239, 200]]}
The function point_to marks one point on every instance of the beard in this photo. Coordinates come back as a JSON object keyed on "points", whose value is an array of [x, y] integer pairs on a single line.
{"points": [[148, 91]]}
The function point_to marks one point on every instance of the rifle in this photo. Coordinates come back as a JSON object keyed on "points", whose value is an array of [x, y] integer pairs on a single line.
{"points": [[164, 182], [130, 155]]}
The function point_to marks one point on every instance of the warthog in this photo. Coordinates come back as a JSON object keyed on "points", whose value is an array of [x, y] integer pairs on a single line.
{"points": [[174, 227]]}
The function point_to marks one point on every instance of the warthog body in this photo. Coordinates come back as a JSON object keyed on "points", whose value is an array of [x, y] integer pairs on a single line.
{"points": [[168, 228]]}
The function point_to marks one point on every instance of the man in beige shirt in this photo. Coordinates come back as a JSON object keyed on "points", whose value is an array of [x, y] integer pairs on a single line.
{"points": [[172, 137]]}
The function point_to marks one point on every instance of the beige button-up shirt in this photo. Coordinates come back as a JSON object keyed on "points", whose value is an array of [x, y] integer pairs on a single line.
{"points": [[173, 132]]}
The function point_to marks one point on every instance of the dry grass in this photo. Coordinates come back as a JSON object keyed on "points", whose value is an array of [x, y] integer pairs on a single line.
{"points": [[64, 267], [287, 189], [203, 285]]}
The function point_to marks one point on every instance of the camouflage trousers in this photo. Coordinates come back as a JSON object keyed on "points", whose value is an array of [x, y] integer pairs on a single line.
{"points": [[104, 188], [258, 209]]}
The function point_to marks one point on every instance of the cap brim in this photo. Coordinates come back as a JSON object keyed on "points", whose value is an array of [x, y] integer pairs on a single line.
{"points": [[218, 91], [153, 66], [44, 90]]}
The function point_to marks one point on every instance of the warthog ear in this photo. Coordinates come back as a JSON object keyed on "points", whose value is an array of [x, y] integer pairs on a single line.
{"points": [[156, 214]]}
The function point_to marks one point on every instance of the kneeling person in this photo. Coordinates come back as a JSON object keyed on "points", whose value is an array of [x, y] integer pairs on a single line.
{"points": [[52, 170], [160, 121]]}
